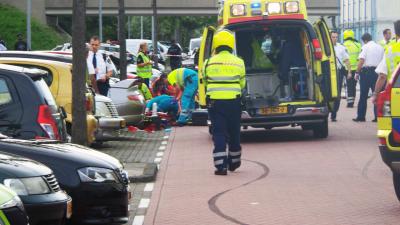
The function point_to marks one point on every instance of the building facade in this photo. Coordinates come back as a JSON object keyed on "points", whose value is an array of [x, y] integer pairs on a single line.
{"points": [[370, 16]]}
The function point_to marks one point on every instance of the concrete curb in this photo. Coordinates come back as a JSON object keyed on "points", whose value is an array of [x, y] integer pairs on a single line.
{"points": [[149, 174]]}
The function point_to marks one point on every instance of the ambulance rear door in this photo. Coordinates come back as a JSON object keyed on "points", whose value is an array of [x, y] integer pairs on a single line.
{"points": [[204, 54], [328, 81]]}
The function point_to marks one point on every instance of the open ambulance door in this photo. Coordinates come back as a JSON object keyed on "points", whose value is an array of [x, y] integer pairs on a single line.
{"points": [[329, 81], [204, 54]]}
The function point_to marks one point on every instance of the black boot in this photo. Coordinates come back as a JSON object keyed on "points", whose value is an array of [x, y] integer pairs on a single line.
{"points": [[221, 172], [233, 166]]}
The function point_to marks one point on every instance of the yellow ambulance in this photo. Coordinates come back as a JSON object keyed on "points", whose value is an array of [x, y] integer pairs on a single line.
{"points": [[290, 63]]}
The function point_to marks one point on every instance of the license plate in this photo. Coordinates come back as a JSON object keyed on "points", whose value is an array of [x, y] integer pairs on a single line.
{"points": [[274, 110], [69, 209]]}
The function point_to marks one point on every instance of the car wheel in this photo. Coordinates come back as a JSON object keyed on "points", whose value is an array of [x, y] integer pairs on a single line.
{"points": [[321, 130]]}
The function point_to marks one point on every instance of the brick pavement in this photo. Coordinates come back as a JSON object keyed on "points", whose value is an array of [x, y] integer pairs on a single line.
{"points": [[290, 178]]}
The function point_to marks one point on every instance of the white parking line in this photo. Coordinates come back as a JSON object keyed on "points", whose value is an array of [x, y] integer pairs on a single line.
{"points": [[157, 160], [166, 137], [164, 143], [162, 147], [149, 187], [144, 203], [160, 154], [138, 220]]}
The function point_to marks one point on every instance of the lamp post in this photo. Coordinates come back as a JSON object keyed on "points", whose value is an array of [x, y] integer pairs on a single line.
{"points": [[122, 39], [28, 23], [154, 32], [101, 20]]}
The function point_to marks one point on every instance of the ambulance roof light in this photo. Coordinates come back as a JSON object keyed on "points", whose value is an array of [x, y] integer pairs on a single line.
{"points": [[292, 7], [274, 8], [238, 10]]}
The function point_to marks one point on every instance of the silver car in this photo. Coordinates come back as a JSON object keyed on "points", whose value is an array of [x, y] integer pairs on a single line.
{"points": [[129, 101], [109, 121]]}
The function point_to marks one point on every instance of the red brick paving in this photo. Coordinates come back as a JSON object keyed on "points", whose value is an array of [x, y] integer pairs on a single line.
{"points": [[340, 180]]}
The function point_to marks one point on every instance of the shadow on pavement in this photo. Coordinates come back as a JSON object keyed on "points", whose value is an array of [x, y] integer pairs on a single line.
{"points": [[276, 135]]}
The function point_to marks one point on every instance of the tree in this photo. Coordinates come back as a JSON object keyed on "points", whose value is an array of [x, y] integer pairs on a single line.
{"points": [[79, 125], [121, 38]]}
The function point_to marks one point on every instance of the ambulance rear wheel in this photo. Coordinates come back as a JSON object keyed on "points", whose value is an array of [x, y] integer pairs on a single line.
{"points": [[321, 130]]}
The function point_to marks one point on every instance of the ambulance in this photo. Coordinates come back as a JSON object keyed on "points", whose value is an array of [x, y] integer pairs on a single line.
{"points": [[290, 64]]}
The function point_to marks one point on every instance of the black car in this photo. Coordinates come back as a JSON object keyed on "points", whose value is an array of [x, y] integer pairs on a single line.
{"points": [[27, 108], [38, 189], [97, 183]]}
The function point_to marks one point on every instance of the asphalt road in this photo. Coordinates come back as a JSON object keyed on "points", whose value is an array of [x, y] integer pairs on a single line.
{"points": [[287, 177]]}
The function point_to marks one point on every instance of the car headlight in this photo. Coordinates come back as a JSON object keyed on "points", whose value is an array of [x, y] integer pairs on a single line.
{"points": [[102, 110], [14, 202], [28, 186], [274, 8], [292, 7], [95, 174], [238, 10]]}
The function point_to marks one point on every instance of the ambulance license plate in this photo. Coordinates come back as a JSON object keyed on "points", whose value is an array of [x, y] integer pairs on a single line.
{"points": [[274, 110]]}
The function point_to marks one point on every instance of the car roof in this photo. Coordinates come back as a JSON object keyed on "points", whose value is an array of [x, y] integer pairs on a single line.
{"points": [[32, 73], [37, 55]]}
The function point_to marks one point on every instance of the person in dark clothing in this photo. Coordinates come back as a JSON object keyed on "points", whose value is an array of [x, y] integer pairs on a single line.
{"points": [[291, 56], [175, 53], [21, 45]]}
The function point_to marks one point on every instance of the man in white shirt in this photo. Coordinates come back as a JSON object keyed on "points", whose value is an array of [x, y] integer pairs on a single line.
{"points": [[98, 69], [370, 57], [344, 69], [382, 68]]}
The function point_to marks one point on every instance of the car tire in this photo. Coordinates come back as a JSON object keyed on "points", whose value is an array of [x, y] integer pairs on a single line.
{"points": [[321, 130], [396, 184]]}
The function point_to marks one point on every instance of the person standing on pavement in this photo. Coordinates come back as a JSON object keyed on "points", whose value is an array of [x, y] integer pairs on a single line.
{"points": [[175, 56], [20, 45], [99, 69], [353, 49], [185, 82], [390, 61], [224, 77], [387, 36], [370, 57], [144, 64], [342, 59]]}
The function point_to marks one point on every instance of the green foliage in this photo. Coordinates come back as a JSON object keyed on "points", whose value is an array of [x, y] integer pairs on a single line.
{"points": [[13, 22]]}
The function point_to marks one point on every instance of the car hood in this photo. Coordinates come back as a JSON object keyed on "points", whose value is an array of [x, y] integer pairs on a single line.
{"points": [[13, 166], [52, 153]]}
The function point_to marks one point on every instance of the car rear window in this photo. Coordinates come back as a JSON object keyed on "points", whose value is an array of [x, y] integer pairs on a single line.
{"points": [[45, 91], [5, 95]]}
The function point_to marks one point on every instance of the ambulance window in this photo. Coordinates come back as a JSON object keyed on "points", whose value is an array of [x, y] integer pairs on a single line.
{"points": [[325, 40]]}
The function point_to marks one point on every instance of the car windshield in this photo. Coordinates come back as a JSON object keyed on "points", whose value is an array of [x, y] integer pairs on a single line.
{"points": [[45, 91]]}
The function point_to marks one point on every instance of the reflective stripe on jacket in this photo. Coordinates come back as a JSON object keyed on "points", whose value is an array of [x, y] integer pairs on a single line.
{"points": [[145, 71], [224, 76], [353, 49]]}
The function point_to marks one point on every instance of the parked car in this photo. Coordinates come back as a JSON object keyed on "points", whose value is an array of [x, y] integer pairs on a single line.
{"points": [[60, 83], [97, 182], [194, 44], [109, 119], [38, 189], [132, 45], [27, 108], [128, 100], [12, 210]]}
